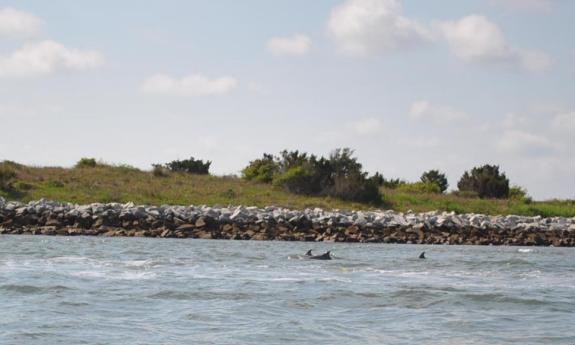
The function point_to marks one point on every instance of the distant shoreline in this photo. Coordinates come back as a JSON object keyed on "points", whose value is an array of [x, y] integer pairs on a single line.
{"points": [[272, 223]]}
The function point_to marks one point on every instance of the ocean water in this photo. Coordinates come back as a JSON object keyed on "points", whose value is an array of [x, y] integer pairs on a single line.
{"points": [[87, 290]]}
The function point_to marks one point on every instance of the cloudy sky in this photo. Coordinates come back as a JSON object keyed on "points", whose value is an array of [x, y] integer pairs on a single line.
{"points": [[410, 85]]}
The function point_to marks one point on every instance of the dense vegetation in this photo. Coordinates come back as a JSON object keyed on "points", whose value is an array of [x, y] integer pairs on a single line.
{"points": [[437, 178], [486, 181], [339, 176], [190, 166], [272, 181]]}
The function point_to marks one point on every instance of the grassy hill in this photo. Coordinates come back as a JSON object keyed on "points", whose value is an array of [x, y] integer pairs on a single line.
{"points": [[105, 183]]}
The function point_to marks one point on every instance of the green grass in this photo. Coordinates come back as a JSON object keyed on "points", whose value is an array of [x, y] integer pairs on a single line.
{"points": [[402, 201], [105, 183]]}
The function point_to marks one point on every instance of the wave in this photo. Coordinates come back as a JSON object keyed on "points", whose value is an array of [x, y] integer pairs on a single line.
{"points": [[31, 289]]}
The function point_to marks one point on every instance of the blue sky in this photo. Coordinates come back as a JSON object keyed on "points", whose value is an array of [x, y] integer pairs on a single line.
{"points": [[410, 85]]}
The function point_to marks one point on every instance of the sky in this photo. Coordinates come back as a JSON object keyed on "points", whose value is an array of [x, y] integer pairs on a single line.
{"points": [[409, 85]]}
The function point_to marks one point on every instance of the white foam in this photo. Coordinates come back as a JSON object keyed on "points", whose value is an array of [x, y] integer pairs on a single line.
{"points": [[525, 250]]}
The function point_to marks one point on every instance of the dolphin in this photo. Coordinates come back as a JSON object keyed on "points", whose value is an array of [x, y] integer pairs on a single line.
{"points": [[308, 253], [324, 256], [422, 255]]}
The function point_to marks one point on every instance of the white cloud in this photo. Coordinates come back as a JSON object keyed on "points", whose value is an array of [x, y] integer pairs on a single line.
{"points": [[565, 121], [369, 27], [534, 60], [475, 38], [46, 57], [192, 85], [367, 126], [514, 120], [521, 142], [18, 23], [440, 114], [296, 45]]}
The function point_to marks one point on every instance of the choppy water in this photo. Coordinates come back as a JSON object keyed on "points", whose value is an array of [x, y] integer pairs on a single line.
{"points": [[83, 290]]}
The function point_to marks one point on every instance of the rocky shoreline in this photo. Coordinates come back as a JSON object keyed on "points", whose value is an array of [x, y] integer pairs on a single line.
{"points": [[45, 217]]}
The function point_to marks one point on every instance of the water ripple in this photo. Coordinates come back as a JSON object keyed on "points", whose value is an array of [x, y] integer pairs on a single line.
{"points": [[81, 290]]}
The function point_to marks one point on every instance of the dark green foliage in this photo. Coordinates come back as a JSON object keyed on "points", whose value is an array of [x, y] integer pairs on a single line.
{"points": [[381, 181], [486, 181], [297, 179], [393, 183], [261, 170], [378, 179], [348, 181], [86, 163], [190, 166], [338, 176], [435, 177]]}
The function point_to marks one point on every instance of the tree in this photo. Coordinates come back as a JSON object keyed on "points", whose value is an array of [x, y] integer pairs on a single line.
{"points": [[261, 170], [86, 163], [486, 181], [340, 175], [190, 166], [434, 176]]}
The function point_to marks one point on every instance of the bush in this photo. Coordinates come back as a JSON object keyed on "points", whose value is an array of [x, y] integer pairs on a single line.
{"points": [[7, 175], [339, 176], [190, 166], [296, 180], [22, 186], [347, 181], [356, 188], [378, 179], [419, 188], [86, 163], [261, 170], [486, 181], [126, 168], [435, 177], [520, 194], [381, 181], [159, 170]]}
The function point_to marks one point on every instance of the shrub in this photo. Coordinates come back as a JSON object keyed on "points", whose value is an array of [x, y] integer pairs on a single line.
{"points": [[339, 176], [347, 180], [378, 179], [486, 181], [159, 170], [435, 177], [23, 186], [190, 166], [393, 183], [7, 175], [419, 188], [296, 180], [86, 163], [520, 194], [126, 168], [356, 188], [261, 170]]}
